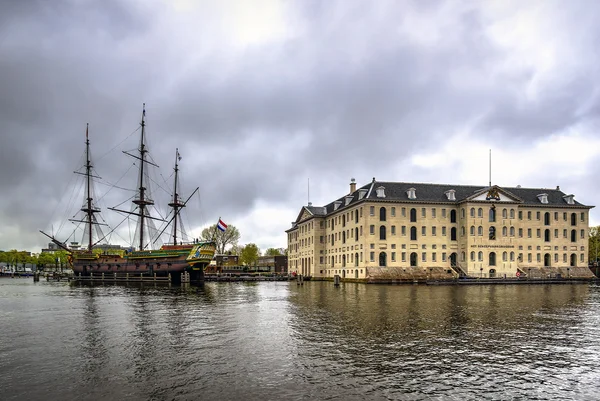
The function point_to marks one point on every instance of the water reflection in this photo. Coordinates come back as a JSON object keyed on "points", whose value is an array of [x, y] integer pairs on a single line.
{"points": [[423, 340], [227, 341]]}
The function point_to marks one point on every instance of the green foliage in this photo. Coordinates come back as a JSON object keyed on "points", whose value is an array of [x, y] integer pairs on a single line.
{"points": [[46, 259], [231, 236], [235, 250], [249, 254], [594, 244], [273, 252]]}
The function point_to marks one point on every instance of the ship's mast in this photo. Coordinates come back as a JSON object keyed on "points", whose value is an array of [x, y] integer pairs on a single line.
{"points": [[142, 201], [88, 207], [176, 204], [89, 212]]}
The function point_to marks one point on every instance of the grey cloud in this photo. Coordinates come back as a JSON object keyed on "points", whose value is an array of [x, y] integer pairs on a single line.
{"points": [[350, 80]]}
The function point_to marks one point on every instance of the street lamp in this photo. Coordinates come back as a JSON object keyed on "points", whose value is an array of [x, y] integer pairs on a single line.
{"points": [[481, 272]]}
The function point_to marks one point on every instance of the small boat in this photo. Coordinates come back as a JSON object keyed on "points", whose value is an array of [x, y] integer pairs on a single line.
{"points": [[176, 259]]}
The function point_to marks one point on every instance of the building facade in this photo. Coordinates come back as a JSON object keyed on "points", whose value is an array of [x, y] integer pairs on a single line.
{"points": [[273, 263], [473, 231]]}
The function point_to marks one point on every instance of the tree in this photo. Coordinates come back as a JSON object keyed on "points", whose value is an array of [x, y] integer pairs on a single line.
{"points": [[223, 238], [249, 255], [594, 244], [45, 259], [273, 252], [235, 250]]}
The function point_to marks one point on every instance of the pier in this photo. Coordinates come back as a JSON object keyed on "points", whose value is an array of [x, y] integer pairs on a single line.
{"points": [[122, 278]]}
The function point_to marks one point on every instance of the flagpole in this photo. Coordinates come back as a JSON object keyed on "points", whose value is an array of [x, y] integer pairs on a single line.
{"points": [[216, 228], [215, 240]]}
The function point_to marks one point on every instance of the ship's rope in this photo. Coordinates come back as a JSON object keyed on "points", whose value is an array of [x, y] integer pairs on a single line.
{"points": [[119, 144]]}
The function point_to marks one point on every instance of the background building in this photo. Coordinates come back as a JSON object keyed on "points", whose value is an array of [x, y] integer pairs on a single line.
{"points": [[435, 230], [275, 264]]}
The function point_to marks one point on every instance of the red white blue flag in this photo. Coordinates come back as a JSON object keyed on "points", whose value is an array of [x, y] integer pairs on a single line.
{"points": [[221, 225]]}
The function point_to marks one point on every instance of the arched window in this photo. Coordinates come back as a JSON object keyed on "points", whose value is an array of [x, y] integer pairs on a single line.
{"points": [[472, 256], [547, 236], [504, 256], [472, 213], [413, 259], [462, 231], [382, 232], [480, 256], [512, 231], [382, 214], [512, 213], [382, 259], [504, 231], [573, 236], [356, 233], [480, 230], [343, 220], [573, 260], [453, 234], [492, 214], [492, 259], [356, 216], [343, 237], [492, 234], [480, 213], [547, 219], [356, 259], [547, 260], [413, 233], [573, 219], [453, 216], [462, 213], [504, 213], [472, 230], [512, 256], [413, 215], [343, 260]]}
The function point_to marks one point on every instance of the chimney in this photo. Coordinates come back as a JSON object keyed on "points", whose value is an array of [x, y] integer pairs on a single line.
{"points": [[352, 185], [558, 188]]}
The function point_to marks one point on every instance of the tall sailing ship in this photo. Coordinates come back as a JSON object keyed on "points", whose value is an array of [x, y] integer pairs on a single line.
{"points": [[174, 258]]}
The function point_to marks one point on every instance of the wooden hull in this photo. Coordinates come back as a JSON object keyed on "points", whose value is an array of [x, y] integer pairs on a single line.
{"points": [[169, 260]]}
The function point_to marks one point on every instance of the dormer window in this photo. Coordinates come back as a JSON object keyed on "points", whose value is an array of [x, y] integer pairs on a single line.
{"points": [[569, 199], [451, 194], [336, 205], [412, 193], [381, 192], [543, 198], [348, 200], [362, 192]]}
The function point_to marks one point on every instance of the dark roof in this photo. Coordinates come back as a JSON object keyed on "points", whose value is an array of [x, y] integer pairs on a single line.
{"points": [[436, 193], [317, 210]]}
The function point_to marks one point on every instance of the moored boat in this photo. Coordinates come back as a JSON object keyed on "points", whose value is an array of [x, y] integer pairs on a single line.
{"points": [[172, 259]]}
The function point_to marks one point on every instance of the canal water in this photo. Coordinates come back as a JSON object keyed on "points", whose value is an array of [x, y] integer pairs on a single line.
{"points": [[281, 341]]}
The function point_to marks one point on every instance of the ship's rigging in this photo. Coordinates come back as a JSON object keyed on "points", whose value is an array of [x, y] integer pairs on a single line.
{"points": [[146, 233]]}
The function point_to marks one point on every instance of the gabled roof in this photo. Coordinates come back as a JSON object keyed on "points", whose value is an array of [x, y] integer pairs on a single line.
{"points": [[494, 192], [437, 193]]}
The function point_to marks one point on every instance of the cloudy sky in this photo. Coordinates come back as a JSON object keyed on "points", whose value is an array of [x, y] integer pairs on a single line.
{"points": [[261, 96]]}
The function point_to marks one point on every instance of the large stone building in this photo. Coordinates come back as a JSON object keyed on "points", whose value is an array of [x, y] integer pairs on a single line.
{"points": [[411, 230]]}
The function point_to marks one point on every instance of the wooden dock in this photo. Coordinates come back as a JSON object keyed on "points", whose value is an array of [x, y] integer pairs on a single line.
{"points": [[235, 278], [122, 278]]}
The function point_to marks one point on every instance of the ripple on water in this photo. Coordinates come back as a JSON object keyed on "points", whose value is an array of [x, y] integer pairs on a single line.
{"points": [[272, 341]]}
